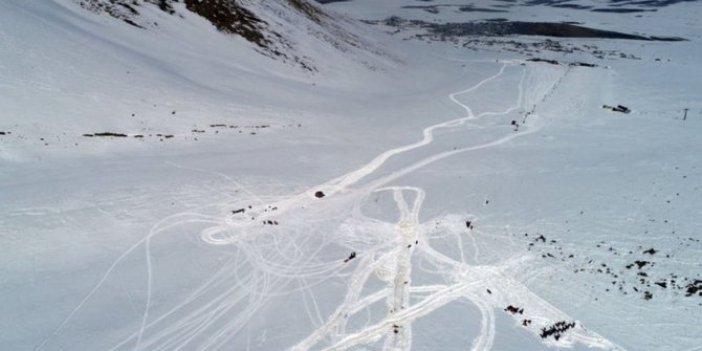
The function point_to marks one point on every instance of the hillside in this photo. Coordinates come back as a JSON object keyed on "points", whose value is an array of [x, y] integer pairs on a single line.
{"points": [[350, 175], [84, 68], [272, 36]]}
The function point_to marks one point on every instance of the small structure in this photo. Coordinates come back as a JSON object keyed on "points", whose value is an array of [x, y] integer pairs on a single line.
{"points": [[618, 108]]}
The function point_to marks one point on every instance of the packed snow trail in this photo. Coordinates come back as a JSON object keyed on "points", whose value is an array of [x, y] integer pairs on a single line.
{"points": [[349, 179], [223, 304], [342, 183]]}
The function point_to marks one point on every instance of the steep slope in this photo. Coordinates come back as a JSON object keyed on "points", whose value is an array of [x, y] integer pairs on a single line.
{"points": [[146, 67], [170, 184], [271, 25]]}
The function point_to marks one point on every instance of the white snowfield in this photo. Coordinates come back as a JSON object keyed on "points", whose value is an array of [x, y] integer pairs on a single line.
{"points": [[419, 197]]}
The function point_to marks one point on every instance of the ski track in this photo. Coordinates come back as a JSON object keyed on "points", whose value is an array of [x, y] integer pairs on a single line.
{"points": [[217, 310]]}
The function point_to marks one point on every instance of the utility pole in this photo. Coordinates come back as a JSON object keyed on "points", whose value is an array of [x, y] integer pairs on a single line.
{"points": [[685, 114]]}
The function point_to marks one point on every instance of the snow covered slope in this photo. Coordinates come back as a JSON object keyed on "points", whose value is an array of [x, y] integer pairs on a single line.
{"points": [[84, 72], [170, 182], [272, 26]]}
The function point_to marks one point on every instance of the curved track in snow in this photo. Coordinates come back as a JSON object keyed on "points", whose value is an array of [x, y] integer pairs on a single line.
{"points": [[224, 304]]}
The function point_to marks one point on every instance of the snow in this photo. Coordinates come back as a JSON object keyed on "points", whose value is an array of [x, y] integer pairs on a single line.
{"points": [[134, 243]]}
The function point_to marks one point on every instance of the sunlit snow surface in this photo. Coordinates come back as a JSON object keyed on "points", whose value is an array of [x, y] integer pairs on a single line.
{"points": [[132, 244]]}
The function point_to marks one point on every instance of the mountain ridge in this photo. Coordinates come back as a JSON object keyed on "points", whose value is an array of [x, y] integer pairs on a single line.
{"points": [[261, 24]]}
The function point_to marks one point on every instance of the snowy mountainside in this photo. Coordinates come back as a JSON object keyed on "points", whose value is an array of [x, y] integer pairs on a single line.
{"points": [[84, 70], [270, 25], [381, 184]]}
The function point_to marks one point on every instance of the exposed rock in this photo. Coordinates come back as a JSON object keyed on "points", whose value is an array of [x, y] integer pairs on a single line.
{"points": [[108, 134], [557, 329]]}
